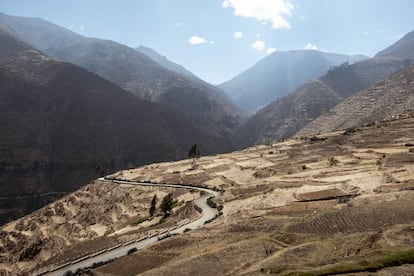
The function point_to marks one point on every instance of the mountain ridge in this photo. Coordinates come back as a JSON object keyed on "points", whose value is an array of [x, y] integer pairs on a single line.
{"points": [[132, 71], [279, 73], [286, 116]]}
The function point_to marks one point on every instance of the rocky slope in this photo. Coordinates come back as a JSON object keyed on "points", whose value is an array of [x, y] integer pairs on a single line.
{"points": [[62, 126], [391, 97], [331, 203], [132, 71], [286, 116], [278, 74]]}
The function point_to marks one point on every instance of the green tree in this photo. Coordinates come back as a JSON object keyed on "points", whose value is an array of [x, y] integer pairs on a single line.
{"points": [[166, 205], [153, 205]]}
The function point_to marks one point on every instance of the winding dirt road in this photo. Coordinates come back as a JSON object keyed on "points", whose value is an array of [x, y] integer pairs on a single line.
{"points": [[207, 213]]}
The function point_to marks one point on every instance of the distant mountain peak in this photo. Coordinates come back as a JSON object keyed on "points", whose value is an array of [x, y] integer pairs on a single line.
{"points": [[279, 73]]}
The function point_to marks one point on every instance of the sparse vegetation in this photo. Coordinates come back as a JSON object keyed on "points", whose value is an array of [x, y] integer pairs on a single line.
{"points": [[350, 130]]}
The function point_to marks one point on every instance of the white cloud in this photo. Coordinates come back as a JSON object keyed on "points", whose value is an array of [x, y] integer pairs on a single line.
{"points": [[194, 40], [311, 46], [179, 24], [302, 17], [81, 28], [238, 34], [265, 11], [270, 50], [259, 45]]}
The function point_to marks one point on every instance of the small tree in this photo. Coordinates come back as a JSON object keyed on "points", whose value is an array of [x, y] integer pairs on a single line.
{"points": [[100, 171], [268, 249], [153, 205], [194, 153], [166, 205]]}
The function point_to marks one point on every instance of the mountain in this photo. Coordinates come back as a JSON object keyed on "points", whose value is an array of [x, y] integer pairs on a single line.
{"points": [[132, 71], [278, 74], [162, 60], [63, 125], [286, 116], [391, 97]]}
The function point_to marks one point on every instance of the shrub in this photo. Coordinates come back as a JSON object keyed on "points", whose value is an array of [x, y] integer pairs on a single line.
{"points": [[333, 161]]}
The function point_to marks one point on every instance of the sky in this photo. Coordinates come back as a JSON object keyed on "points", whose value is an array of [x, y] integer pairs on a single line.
{"points": [[218, 39]]}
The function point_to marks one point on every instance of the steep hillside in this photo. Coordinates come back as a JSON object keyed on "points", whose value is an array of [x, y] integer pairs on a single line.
{"points": [[62, 126], [391, 97], [278, 74], [132, 71], [286, 116], [330, 204]]}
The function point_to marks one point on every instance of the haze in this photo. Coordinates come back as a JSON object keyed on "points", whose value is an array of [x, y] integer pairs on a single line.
{"points": [[219, 39]]}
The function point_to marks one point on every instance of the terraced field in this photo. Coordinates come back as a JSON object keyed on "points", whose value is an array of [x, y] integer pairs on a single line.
{"points": [[328, 204]]}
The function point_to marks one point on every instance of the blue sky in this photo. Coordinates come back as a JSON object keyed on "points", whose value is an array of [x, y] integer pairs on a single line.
{"points": [[217, 39]]}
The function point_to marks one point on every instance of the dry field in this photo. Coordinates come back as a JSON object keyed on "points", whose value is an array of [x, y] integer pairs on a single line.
{"points": [[334, 203]]}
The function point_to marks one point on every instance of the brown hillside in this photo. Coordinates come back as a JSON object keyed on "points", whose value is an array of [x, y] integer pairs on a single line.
{"points": [[393, 96], [336, 202], [286, 116]]}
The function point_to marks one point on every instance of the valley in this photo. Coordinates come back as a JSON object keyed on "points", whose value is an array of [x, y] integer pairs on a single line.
{"points": [[262, 152]]}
